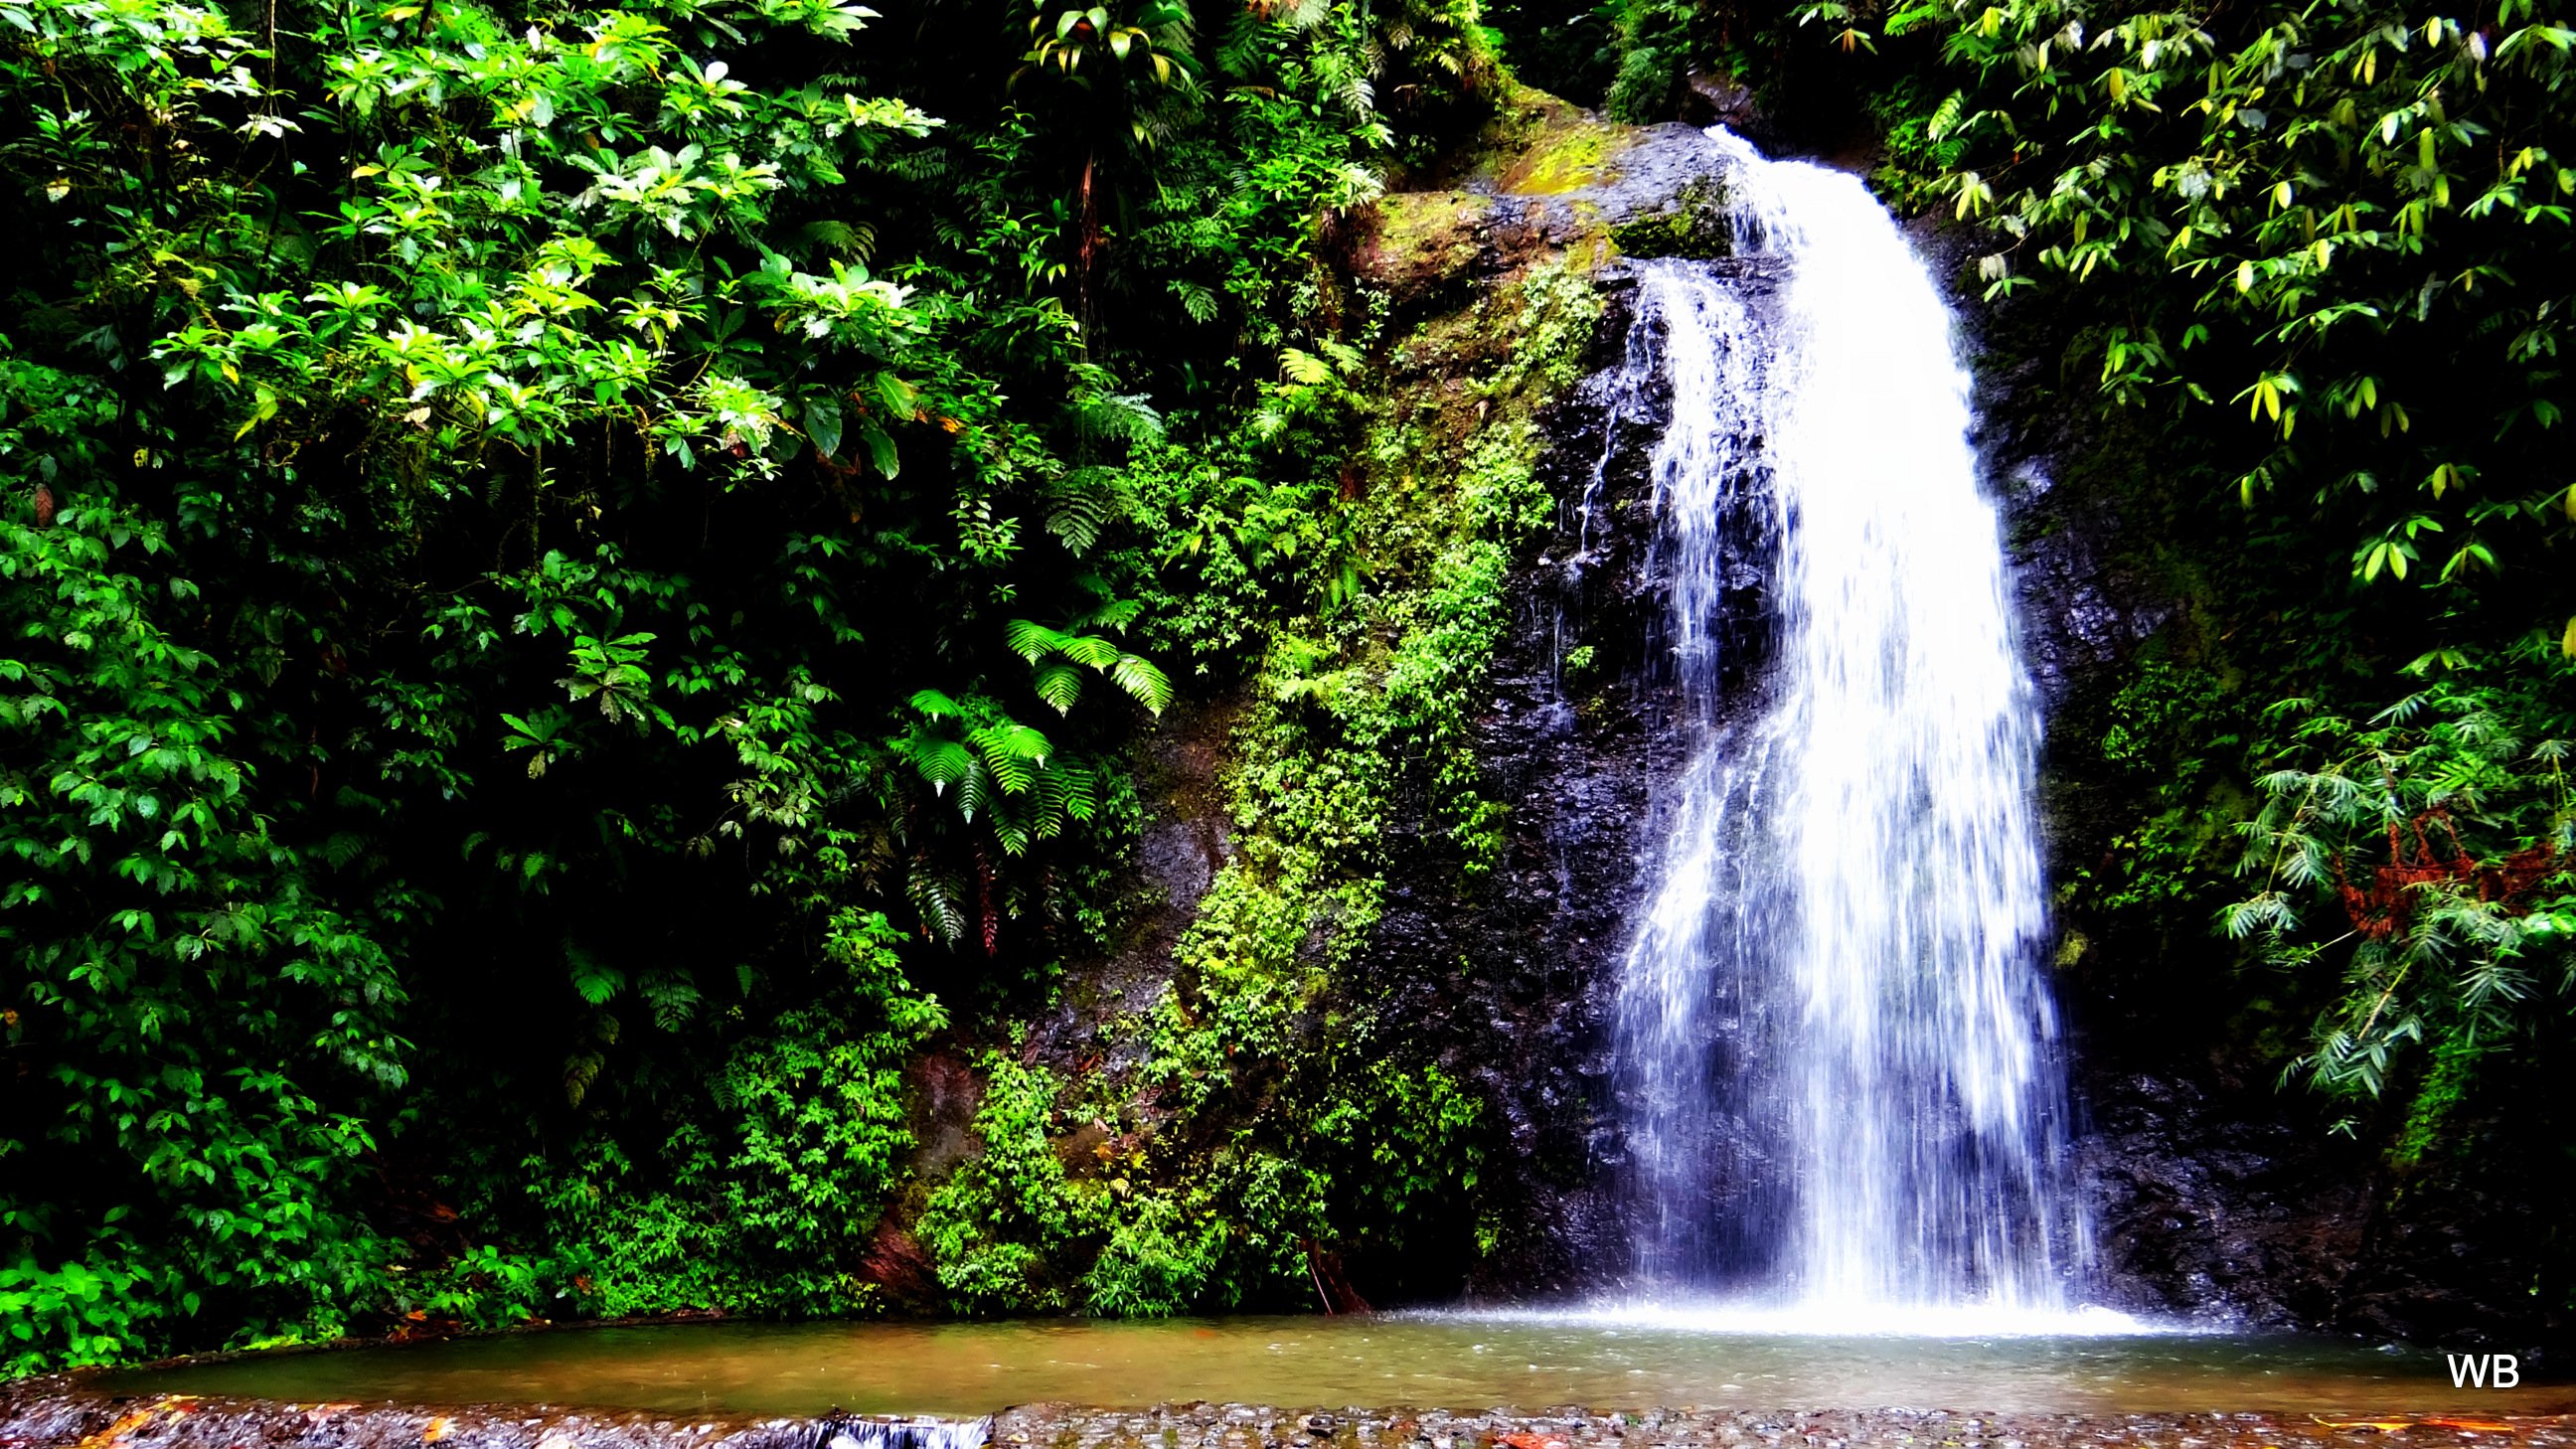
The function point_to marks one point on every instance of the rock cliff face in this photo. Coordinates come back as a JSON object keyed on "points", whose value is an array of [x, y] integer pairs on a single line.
{"points": [[1573, 729], [1572, 735], [2215, 1195]]}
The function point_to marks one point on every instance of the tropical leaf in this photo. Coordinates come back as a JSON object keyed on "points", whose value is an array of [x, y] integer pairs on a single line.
{"points": [[881, 451], [823, 424], [1059, 685]]}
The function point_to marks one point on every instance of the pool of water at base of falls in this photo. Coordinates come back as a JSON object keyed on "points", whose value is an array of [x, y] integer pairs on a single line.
{"points": [[1605, 1361]]}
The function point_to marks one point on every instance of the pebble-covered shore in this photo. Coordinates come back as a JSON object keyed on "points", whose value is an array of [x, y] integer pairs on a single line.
{"points": [[1226, 1426], [55, 1415]]}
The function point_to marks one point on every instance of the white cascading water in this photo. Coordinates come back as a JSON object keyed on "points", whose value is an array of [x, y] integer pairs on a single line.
{"points": [[1836, 1052]]}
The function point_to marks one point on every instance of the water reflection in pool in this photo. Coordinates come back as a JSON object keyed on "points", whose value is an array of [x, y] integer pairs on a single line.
{"points": [[1607, 1362]]}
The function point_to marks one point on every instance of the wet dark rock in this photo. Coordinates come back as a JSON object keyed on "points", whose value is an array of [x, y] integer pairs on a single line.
{"points": [[1695, 225], [1710, 99], [2215, 1195], [1577, 737]]}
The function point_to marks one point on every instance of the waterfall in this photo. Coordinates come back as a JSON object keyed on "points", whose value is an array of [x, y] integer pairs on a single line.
{"points": [[1836, 1054]]}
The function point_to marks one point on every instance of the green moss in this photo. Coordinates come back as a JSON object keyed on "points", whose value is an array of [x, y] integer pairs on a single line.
{"points": [[1284, 1091], [2431, 1129], [1538, 145], [1572, 161], [1695, 226], [1362, 535], [1430, 230]]}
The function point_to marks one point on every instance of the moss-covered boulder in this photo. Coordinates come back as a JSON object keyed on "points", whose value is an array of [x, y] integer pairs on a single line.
{"points": [[1695, 226]]}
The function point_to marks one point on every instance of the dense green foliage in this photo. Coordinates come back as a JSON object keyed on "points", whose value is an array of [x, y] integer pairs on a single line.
{"points": [[570, 577], [2352, 224]]}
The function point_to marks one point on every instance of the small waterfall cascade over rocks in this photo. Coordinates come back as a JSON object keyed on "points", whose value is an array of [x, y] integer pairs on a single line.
{"points": [[1835, 1052], [842, 1431]]}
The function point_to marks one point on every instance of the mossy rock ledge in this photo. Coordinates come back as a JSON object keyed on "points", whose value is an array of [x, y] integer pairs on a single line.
{"points": [[1543, 176]]}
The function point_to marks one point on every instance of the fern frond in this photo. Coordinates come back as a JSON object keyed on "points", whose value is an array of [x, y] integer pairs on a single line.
{"points": [[1089, 649], [1116, 614], [1059, 685], [974, 786], [939, 900], [1143, 682], [1034, 641], [1197, 300], [941, 762], [855, 240], [596, 983], [1304, 369], [918, 166], [1078, 519], [1025, 743], [1010, 772], [673, 998], [1013, 836], [1117, 417], [2404, 709], [1076, 790]]}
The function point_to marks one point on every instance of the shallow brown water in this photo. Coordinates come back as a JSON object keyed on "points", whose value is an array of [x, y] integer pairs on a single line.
{"points": [[1457, 1363]]}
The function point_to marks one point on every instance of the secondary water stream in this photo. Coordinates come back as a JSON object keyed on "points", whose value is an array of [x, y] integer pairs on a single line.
{"points": [[1836, 1055], [1469, 1364]]}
